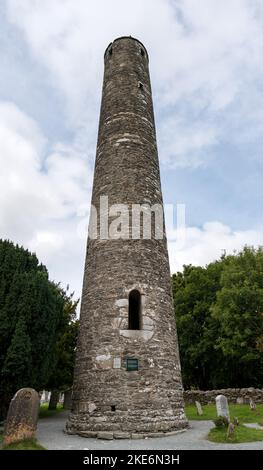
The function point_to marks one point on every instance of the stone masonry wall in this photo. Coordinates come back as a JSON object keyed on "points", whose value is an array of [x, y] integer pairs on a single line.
{"points": [[232, 394], [107, 397]]}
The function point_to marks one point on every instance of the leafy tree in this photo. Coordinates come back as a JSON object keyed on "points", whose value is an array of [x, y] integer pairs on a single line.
{"points": [[194, 291], [220, 321], [239, 311], [31, 316]]}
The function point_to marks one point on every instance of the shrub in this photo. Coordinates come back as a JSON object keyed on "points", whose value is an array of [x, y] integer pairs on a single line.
{"points": [[221, 422]]}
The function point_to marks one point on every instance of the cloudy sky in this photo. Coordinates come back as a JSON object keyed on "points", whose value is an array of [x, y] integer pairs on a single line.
{"points": [[206, 64]]}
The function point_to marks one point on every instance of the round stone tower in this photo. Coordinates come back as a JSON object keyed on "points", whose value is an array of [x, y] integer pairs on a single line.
{"points": [[127, 374]]}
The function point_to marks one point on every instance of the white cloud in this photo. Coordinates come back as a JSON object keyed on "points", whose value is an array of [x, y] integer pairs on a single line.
{"points": [[204, 58], [206, 68], [208, 243], [188, 144], [41, 193]]}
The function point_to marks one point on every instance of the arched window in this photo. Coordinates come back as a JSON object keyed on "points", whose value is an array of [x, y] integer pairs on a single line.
{"points": [[134, 310]]}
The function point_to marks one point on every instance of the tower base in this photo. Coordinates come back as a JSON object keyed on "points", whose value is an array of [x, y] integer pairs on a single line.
{"points": [[125, 426]]}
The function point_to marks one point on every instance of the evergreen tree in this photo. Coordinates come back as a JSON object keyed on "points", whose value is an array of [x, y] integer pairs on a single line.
{"points": [[18, 360], [62, 377], [31, 319]]}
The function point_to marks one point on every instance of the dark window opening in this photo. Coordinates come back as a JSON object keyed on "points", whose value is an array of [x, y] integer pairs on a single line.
{"points": [[140, 85], [142, 52], [132, 364], [134, 310], [110, 51], [113, 408]]}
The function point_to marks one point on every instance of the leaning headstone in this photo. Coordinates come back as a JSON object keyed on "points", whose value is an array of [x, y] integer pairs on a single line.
{"points": [[222, 406], [21, 421], [199, 408], [252, 404]]}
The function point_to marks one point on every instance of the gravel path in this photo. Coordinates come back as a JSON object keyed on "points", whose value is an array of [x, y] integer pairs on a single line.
{"points": [[50, 434]]}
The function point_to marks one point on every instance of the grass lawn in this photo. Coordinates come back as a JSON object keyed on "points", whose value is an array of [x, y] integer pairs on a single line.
{"points": [[242, 412], [45, 412], [242, 434], [27, 444]]}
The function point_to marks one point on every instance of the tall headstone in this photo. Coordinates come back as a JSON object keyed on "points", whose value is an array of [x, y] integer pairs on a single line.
{"points": [[222, 406], [127, 374], [21, 422]]}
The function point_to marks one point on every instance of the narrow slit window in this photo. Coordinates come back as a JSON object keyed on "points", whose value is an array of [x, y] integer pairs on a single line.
{"points": [[142, 52], [140, 85], [134, 310], [110, 51], [113, 407]]}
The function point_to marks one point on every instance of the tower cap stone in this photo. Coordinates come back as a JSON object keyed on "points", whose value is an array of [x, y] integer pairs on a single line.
{"points": [[127, 37]]}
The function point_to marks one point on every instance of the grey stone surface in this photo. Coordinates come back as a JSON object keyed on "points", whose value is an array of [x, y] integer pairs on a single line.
{"points": [[222, 406], [240, 401], [105, 435], [199, 408], [50, 435], [252, 404], [254, 426], [67, 403], [127, 171], [21, 422]]}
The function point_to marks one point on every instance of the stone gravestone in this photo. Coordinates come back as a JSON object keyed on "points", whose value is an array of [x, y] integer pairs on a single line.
{"points": [[252, 404], [21, 422], [240, 400], [199, 408], [222, 406]]}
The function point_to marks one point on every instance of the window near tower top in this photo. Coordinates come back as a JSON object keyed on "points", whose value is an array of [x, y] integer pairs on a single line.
{"points": [[110, 51], [140, 85], [134, 320], [142, 52], [132, 364]]}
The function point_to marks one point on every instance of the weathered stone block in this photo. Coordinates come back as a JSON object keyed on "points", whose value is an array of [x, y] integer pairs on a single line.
{"points": [[121, 435], [21, 422], [222, 406], [105, 435]]}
